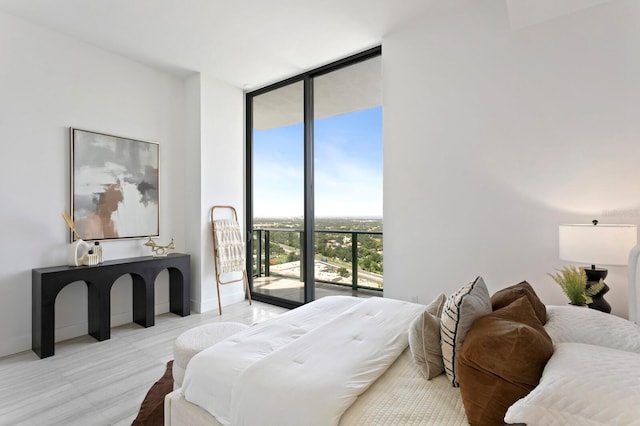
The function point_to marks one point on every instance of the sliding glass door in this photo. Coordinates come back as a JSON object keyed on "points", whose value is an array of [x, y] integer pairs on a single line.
{"points": [[278, 192], [314, 183], [348, 179]]}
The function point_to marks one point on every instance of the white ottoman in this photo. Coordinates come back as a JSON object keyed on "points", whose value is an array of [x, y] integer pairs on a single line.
{"points": [[196, 340]]}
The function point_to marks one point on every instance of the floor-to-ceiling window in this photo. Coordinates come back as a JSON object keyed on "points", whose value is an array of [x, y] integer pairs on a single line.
{"points": [[314, 183]]}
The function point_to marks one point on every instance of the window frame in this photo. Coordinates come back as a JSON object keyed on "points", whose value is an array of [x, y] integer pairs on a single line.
{"points": [[309, 223]]}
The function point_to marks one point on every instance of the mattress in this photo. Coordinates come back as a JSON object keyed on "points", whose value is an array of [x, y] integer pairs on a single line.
{"points": [[401, 396]]}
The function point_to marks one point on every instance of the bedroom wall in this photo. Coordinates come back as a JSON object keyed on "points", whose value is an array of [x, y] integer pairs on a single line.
{"points": [[222, 177], [49, 82], [216, 174], [494, 136]]}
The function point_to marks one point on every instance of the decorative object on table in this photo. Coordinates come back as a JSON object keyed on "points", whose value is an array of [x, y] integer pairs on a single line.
{"points": [[77, 252], [602, 244], [97, 249], [114, 186], [91, 258], [160, 250], [78, 248], [573, 282], [70, 224]]}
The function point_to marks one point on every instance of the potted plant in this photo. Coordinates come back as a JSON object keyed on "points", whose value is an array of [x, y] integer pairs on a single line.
{"points": [[573, 282]]}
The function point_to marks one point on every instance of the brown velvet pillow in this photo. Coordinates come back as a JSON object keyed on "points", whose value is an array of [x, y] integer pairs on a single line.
{"points": [[501, 361], [504, 297]]}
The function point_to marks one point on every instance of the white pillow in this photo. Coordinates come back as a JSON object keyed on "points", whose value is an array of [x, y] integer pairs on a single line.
{"points": [[460, 311], [424, 339], [584, 325], [583, 385]]}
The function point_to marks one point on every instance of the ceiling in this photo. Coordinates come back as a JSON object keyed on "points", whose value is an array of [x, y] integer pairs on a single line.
{"points": [[251, 43], [247, 43], [348, 89]]}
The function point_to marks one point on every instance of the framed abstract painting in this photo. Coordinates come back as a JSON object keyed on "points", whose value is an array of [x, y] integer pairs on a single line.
{"points": [[114, 186]]}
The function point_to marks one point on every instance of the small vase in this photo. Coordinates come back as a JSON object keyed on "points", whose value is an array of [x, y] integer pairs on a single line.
{"points": [[77, 251]]}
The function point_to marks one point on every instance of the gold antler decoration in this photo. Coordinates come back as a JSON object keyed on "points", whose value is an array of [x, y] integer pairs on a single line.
{"points": [[160, 250], [70, 224]]}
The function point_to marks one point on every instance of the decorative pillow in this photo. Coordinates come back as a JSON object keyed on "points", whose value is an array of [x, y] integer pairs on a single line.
{"points": [[584, 325], [502, 298], [460, 311], [424, 339], [583, 385], [501, 361]]}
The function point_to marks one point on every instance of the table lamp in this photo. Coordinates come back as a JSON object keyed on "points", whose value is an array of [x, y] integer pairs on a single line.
{"points": [[597, 244]]}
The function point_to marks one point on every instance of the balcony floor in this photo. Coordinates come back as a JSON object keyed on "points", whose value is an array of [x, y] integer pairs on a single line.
{"points": [[293, 289]]}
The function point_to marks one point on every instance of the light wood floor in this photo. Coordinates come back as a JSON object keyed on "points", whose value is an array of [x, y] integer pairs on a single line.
{"points": [[101, 383]]}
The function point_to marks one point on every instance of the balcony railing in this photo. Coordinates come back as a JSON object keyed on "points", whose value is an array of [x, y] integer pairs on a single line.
{"points": [[262, 255]]}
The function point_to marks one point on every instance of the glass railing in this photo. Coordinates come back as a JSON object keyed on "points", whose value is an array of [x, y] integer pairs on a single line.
{"points": [[277, 251]]}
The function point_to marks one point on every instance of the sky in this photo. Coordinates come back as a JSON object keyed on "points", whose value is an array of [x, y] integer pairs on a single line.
{"points": [[348, 167]]}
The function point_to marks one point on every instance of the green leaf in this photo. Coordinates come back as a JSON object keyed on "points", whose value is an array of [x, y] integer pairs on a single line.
{"points": [[573, 282]]}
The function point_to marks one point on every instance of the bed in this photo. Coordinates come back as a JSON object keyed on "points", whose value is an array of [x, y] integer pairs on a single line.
{"points": [[397, 391], [273, 373], [634, 285]]}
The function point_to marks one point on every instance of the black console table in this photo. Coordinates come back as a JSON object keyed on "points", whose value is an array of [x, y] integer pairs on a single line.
{"points": [[46, 283]]}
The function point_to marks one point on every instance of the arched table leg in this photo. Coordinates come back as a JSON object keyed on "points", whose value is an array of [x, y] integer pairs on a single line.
{"points": [[46, 283]]}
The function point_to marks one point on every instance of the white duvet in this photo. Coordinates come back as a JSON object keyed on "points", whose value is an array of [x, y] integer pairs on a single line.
{"points": [[306, 368]]}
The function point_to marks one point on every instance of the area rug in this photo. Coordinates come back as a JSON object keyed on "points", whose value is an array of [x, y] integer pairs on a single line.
{"points": [[152, 408]]}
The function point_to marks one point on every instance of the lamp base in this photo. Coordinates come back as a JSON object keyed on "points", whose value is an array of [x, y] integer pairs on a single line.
{"points": [[596, 274], [598, 299]]}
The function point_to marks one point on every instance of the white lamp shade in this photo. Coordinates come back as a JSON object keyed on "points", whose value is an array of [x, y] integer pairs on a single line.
{"points": [[602, 244]]}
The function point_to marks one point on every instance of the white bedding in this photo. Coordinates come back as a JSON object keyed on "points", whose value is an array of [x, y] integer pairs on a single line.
{"points": [[583, 325], [318, 359], [583, 385], [401, 396], [224, 362]]}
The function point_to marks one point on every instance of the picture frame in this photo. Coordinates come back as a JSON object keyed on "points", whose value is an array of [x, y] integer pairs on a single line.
{"points": [[115, 186]]}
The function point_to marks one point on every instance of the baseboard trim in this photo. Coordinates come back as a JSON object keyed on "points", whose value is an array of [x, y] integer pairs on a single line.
{"points": [[66, 333], [212, 304], [15, 345], [19, 344]]}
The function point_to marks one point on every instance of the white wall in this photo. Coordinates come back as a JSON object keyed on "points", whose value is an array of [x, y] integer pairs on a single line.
{"points": [[222, 177], [192, 188], [48, 83], [215, 177], [493, 137]]}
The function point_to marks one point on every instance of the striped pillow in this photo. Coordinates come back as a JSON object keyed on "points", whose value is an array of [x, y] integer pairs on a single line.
{"points": [[460, 311]]}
